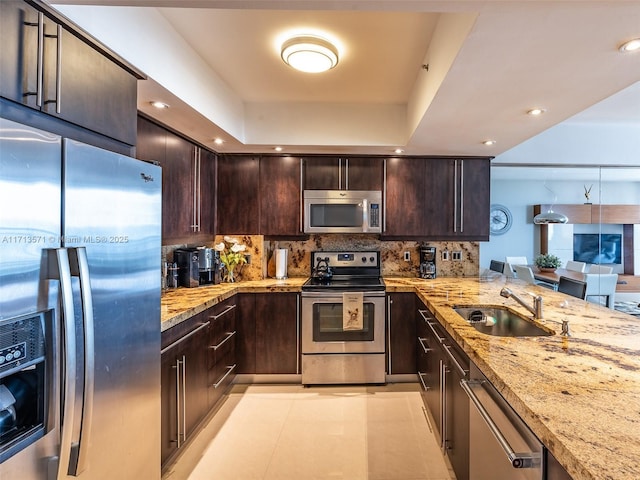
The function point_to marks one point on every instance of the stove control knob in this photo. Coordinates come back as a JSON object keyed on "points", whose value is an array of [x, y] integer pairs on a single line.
{"points": [[364, 259], [371, 259]]}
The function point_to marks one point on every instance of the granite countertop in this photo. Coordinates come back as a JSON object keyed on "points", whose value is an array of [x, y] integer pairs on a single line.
{"points": [[182, 303], [580, 396]]}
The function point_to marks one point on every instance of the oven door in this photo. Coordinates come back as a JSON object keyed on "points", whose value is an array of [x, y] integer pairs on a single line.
{"points": [[322, 326]]}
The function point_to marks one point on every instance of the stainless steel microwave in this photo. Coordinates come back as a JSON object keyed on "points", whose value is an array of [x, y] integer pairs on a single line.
{"points": [[342, 211]]}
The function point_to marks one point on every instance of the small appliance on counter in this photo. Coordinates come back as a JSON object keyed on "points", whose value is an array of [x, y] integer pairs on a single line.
{"points": [[198, 266], [427, 262]]}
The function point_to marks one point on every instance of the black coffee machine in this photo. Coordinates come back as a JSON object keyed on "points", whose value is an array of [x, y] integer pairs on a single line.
{"points": [[427, 262], [198, 266]]}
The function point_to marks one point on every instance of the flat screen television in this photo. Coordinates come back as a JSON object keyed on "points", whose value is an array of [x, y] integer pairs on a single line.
{"points": [[597, 248]]}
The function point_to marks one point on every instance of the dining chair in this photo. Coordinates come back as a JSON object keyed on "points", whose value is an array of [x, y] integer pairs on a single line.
{"points": [[572, 287], [602, 285], [600, 269], [516, 260], [509, 262], [496, 266], [576, 266], [526, 274]]}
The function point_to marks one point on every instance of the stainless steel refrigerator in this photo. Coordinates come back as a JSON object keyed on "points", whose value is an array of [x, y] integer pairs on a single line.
{"points": [[79, 310]]}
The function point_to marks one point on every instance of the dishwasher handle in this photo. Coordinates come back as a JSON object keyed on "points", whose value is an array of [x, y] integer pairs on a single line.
{"points": [[517, 460]]}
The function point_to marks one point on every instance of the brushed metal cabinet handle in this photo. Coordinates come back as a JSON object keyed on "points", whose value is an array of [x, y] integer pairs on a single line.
{"points": [[230, 369], [223, 313]]}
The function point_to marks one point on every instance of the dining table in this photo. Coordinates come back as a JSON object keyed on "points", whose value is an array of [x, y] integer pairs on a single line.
{"points": [[554, 276]]}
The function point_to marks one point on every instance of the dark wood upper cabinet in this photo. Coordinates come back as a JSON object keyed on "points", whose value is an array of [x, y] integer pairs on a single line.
{"points": [[332, 173], [404, 197], [280, 196], [437, 198], [79, 84], [238, 209], [207, 214], [364, 173], [177, 184], [475, 199], [188, 183], [152, 141], [322, 173]]}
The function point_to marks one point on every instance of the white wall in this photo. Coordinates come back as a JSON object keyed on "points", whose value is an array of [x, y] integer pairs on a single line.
{"points": [[519, 195]]}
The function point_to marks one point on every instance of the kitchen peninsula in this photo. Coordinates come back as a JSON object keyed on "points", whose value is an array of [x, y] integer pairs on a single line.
{"points": [[579, 395]]}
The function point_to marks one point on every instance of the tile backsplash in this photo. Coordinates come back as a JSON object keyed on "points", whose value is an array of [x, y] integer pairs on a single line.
{"points": [[391, 252]]}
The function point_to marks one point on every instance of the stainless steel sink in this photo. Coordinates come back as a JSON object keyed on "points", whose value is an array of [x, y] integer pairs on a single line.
{"points": [[500, 321]]}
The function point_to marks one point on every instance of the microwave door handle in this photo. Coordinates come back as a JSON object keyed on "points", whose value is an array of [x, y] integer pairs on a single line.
{"points": [[57, 266], [80, 450], [365, 215]]}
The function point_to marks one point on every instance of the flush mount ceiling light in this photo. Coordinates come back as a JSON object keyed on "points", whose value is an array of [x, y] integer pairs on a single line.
{"points": [[309, 53], [159, 104], [399, 151], [218, 141], [630, 46], [488, 143]]}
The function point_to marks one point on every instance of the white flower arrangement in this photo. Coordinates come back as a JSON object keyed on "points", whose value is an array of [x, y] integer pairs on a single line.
{"points": [[231, 255]]}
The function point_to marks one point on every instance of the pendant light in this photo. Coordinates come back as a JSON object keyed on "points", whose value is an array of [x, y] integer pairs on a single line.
{"points": [[550, 216]]}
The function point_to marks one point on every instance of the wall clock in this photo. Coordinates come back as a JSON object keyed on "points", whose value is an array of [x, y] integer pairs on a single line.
{"points": [[500, 219]]}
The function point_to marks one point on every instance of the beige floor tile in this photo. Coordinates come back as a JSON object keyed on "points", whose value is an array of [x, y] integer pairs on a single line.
{"points": [[320, 450], [289, 432]]}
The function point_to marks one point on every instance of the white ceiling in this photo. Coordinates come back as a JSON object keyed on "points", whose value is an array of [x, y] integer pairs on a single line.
{"points": [[218, 66]]}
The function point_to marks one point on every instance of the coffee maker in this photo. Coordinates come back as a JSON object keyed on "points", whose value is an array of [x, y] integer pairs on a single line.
{"points": [[427, 262], [198, 266]]}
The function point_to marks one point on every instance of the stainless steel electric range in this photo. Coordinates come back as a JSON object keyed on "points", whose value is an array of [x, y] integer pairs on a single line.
{"points": [[333, 351]]}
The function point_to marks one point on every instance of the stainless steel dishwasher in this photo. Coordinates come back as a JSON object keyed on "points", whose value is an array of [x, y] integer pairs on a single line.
{"points": [[501, 446]]}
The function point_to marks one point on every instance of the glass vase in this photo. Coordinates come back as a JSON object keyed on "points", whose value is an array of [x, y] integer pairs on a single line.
{"points": [[229, 276]]}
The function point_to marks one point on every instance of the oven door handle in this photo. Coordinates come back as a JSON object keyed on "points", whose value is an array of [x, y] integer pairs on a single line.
{"points": [[335, 297]]}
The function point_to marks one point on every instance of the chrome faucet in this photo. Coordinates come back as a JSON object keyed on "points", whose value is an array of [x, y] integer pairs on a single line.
{"points": [[536, 310]]}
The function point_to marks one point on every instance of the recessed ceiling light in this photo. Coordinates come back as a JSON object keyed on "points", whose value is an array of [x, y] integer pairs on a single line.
{"points": [[488, 143], [218, 141], [536, 111], [278, 149], [630, 46], [309, 53], [399, 150], [159, 104]]}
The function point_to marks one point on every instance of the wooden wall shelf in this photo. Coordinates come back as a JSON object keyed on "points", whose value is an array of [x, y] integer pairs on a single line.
{"points": [[594, 213], [625, 215]]}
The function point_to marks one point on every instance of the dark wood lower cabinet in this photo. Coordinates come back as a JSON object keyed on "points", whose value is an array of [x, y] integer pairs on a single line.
{"points": [[268, 339], [183, 383], [222, 362], [277, 338], [401, 332], [441, 367], [429, 357], [246, 325]]}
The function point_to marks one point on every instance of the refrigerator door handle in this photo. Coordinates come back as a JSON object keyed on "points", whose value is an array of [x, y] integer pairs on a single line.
{"points": [[58, 269], [80, 268]]}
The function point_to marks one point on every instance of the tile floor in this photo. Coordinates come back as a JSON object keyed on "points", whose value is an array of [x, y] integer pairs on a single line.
{"points": [[290, 432]]}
